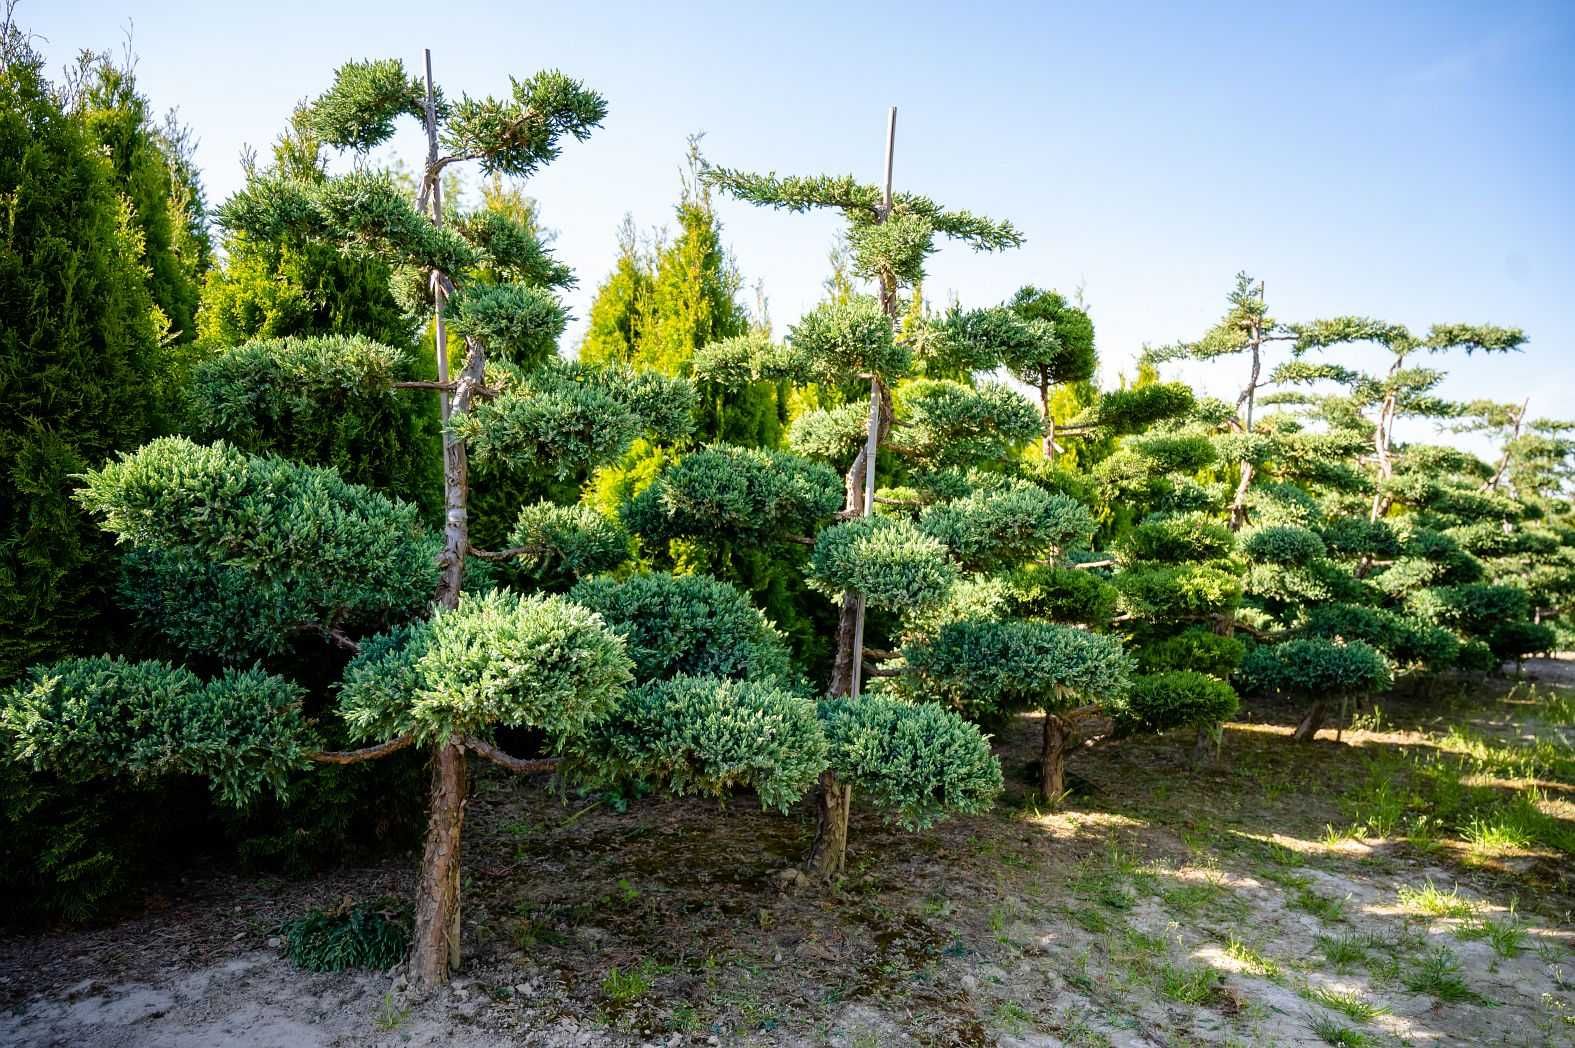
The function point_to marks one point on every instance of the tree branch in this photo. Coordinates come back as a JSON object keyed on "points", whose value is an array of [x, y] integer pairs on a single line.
{"points": [[515, 764], [502, 554], [1088, 565], [370, 753]]}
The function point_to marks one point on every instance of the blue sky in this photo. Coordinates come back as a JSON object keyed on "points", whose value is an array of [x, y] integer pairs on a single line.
{"points": [[1414, 162]]}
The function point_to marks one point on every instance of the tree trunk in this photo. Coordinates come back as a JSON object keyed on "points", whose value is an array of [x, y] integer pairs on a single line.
{"points": [[1052, 762], [1311, 722], [1205, 749], [833, 804], [434, 954], [1047, 441]]}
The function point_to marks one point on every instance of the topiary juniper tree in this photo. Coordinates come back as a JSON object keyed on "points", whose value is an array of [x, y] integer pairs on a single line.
{"points": [[890, 235], [256, 550]]}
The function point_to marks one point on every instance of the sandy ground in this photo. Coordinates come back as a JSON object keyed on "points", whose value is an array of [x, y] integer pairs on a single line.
{"points": [[1165, 905]]}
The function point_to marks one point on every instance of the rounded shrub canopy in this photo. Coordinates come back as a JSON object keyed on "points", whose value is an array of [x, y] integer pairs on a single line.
{"points": [[687, 624], [1284, 544], [557, 544], [497, 659], [1172, 699], [887, 559], [736, 494], [1014, 521], [104, 717], [1176, 538], [1165, 591], [846, 339], [917, 762], [948, 423], [1197, 649], [234, 555], [712, 735], [1314, 668], [985, 669]]}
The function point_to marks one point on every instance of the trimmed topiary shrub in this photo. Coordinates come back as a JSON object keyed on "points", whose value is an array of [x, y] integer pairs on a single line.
{"points": [[1174, 698], [917, 762], [687, 624], [711, 735]]}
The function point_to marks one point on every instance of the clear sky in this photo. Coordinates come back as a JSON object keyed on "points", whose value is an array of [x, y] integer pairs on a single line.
{"points": [[1410, 161]]}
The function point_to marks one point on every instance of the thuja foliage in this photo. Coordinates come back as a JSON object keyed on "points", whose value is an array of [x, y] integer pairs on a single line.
{"points": [[80, 365]]}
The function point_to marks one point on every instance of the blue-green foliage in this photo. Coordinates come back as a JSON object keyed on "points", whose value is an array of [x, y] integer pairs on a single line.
{"points": [[105, 717], [1405, 639], [1314, 668], [947, 423], [918, 762], [551, 546], [728, 494], [1284, 544], [518, 323], [687, 624], [234, 555], [1012, 522], [1171, 699], [985, 669], [1177, 538], [845, 339], [711, 735], [499, 659], [887, 559]]}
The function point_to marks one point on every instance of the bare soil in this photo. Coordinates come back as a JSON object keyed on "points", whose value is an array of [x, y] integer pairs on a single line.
{"points": [[1163, 904]]}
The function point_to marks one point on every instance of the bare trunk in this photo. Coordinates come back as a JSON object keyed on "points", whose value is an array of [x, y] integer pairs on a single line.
{"points": [[1052, 762], [435, 948], [1205, 748], [833, 804], [1311, 722], [1047, 443], [1238, 506], [435, 953], [834, 800]]}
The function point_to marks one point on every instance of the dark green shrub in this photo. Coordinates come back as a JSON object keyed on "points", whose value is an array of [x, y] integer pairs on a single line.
{"points": [[686, 624], [555, 545], [372, 937], [919, 763], [1314, 668], [1284, 544], [711, 735], [985, 669], [1175, 698], [1197, 649], [1044, 591], [1177, 538], [1513, 641], [323, 401], [80, 365]]}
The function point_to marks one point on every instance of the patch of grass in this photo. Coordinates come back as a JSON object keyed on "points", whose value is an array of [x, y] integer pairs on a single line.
{"points": [[1431, 902], [1438, 975], [373, 936], [625, 986], [1338, 1034], [1253, 960], [389, 1015], [1185, 984], [1324, 907], [1191, 897], [1348, 1003], [1507, 937], [1013, 1017], [1342, 951]]}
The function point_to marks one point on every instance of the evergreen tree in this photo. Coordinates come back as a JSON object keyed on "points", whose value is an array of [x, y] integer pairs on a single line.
{"points": [[80, 364], [151, 165]]}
